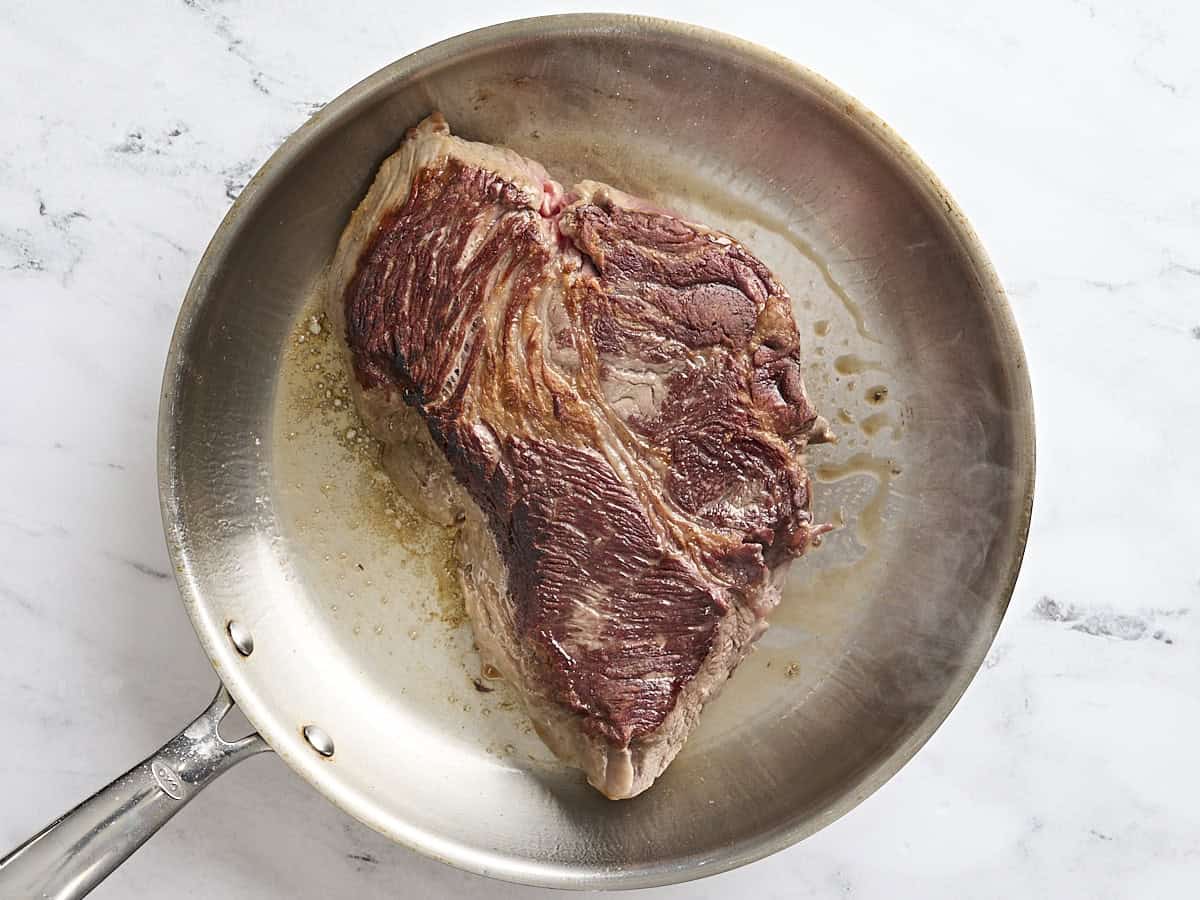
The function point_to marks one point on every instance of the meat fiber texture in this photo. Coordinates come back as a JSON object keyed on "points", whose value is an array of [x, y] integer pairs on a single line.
{"points": [[608, 399]]}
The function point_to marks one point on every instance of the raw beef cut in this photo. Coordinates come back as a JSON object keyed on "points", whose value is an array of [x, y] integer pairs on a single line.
{"points": [[609, 400]]}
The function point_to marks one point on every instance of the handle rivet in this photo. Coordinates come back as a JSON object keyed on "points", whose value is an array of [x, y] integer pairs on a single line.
{"points": [[318, 740], [243, 640]]}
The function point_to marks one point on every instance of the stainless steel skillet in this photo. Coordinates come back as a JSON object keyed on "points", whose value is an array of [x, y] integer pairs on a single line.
{"points": [[326, 609]]}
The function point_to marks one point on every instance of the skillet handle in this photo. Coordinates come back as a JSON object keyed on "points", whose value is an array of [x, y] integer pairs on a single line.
{"points": [[73, 854]]}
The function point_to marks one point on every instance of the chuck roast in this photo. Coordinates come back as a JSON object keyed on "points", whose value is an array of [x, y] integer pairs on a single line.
{"points": [[609, 399]]}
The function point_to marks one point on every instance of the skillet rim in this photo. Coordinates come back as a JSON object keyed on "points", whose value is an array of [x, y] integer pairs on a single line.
{"points": [[526, 870]]}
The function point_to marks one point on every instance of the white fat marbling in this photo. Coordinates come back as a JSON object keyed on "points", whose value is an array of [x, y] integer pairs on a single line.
{"points": [[1069, 131]]}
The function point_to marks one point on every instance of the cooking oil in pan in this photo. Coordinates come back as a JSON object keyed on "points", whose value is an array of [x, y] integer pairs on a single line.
{"points": [[391, 575], [383, 578]]}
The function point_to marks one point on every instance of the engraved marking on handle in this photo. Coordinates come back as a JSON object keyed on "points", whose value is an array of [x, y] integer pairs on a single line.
{"points": [[168, 780]]}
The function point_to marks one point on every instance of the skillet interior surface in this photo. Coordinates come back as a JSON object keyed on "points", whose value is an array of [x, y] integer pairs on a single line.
{"points": [[277, 517]]}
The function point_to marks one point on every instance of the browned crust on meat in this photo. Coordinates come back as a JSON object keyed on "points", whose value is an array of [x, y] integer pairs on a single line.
{"points": [[629, 526]]}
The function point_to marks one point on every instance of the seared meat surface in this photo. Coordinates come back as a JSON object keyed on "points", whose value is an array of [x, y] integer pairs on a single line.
{"points": [[609, 398]]}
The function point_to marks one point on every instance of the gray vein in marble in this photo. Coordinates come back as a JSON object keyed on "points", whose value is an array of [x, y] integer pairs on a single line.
{"points": [[51, 530], [223, 27], [86, 461], [1152, 36], [1089, 8], [1168, 86], [1180, 267], [236, 178], [996, 655], [19, 244], [1111, 287], [29, 251], [140, 567], [175, 151], [842, 883], [63, 221], [1025, 842], [1170, 267], [1103, 622], [174, 245], [137, 145], [261, 81], [136, 142], [14, 596]]}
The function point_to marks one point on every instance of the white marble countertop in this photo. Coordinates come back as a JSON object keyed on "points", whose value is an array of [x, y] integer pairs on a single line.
{"points": [[1069, 131]]}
